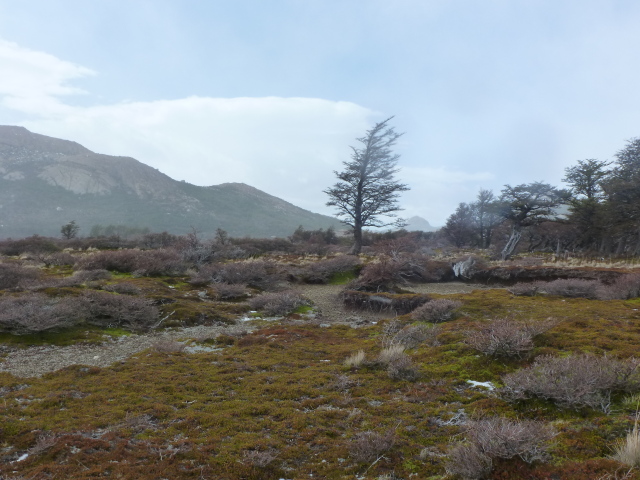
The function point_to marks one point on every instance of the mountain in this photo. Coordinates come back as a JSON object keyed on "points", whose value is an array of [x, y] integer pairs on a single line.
{"points": [[419, 224], [46, 182]]}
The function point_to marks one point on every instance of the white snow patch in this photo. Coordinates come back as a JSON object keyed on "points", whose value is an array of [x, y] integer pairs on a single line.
{"points": [[488, 385]]}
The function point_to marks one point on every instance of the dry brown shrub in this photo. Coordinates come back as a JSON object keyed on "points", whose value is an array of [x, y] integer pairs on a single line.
{"points": [[226, 291], [278, 303], [323, 270], [366, 447], [575, 381], [17, 276], [126, 288], [497, 437], [257, 274], [625, 287], [410, 336], [436, 311], [168, 346], [112, 310], [529, 289], [504, 337], [35, 313], [161, 262], [570, 287]]}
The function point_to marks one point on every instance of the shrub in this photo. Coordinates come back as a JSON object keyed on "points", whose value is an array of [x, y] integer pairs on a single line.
{"points": [[382, 276], [35, 313], [17, 276], [436, 311], [257, 274], [382, 302], [33, 244], [126, 288], [278, 304], [625, 287], [168, 346], [113, 310], [570, 287], [504, 337], [226, 291], [495, 438], [529, 289], [574, 381], [398, 364], [322, 271], [368, 446], [409, 336], [140, 262]]}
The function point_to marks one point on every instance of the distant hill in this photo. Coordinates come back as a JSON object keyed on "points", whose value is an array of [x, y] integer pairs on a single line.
{"points": [[419, 224], [46, 182]]}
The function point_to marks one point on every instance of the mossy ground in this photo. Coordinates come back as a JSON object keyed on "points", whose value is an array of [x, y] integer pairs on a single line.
{"points": [[284, 390]]}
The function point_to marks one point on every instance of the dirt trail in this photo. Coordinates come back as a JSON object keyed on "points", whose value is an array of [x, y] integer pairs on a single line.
{"points": [[36, 361]]}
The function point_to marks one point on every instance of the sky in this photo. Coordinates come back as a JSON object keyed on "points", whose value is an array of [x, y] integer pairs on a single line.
{"points": [[274, 93]]}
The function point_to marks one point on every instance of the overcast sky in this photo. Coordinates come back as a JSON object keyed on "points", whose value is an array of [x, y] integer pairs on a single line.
{"points": [[273, 93]]}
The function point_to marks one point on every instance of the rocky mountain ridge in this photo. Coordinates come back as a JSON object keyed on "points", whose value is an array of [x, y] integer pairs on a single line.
{"points": [[46, 182]]}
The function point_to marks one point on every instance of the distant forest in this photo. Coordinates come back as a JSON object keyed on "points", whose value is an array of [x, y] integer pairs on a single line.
{"points": [[599, 213]]}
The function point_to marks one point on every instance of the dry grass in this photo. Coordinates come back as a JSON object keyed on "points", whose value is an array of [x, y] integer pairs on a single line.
{"points": [[627, 450], [355, 360]]}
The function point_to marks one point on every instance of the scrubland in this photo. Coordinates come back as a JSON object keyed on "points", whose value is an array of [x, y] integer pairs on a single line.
{"points": [[535, 378]]}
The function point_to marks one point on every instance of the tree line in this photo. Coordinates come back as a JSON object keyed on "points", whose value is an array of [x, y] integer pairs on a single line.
{"points": [[599, 213]]}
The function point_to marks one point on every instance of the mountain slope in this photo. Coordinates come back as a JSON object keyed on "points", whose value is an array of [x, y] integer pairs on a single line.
{"points": [[46, 182]]}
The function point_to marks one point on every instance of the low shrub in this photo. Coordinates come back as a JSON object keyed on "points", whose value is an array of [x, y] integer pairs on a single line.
{"points": [[398, 364], [278, 303], [258, 274], [382, 276], [495, 438], [529, 289], [436, 311], [259, 458], [33, 244], [366, 447], [504, 337], [126, 288], [409, 336], [625, 287], [36, 313], [17, 276], [229, 291], [571, 287], [323, 271], [383, 302], [83, 276], [575, 381], [112, 310], [168, 346], [161, 262]]}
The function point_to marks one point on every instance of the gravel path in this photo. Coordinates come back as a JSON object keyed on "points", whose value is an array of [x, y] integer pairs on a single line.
{"points": [[36, 361]]}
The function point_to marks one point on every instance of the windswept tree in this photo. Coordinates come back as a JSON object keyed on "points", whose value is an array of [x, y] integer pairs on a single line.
{"points": [[587, 207], [367, 189], [528, 205], [70, 230]]}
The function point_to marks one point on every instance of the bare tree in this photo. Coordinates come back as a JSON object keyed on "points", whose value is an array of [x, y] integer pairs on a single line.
{"points": [[367, 188]]}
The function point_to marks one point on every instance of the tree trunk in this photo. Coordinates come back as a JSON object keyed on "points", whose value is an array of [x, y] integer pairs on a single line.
{"points": [[511, 245], [357, 240]]}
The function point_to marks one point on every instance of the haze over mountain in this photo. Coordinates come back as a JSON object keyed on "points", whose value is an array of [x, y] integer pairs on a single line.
{"points": [[417, 223], [46, 182]]}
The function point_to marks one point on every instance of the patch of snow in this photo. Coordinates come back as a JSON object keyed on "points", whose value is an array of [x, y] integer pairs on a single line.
{"points": [[488, 385]]}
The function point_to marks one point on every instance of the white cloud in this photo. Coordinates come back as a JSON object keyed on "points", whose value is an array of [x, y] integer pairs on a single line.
{"points": [[32, 81], [288, 147]]}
